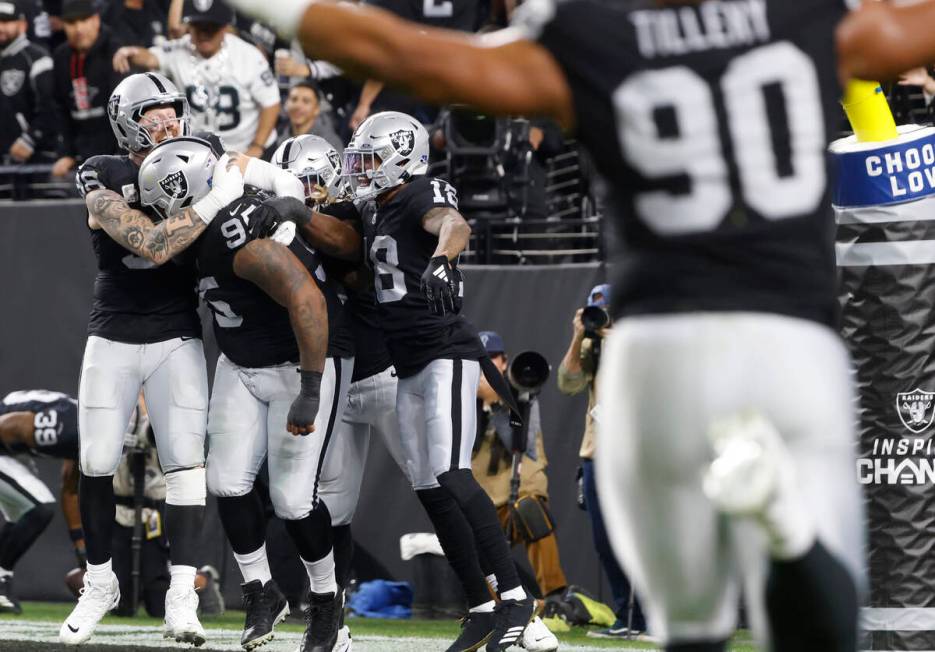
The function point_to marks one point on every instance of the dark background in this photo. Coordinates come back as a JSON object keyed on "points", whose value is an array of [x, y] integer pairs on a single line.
{"points": [[46, 275]]}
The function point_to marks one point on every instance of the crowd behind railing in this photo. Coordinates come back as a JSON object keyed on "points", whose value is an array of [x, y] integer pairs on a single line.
{"points": [[527, 191]]}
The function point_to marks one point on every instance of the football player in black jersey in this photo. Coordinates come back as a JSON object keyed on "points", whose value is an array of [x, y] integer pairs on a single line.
{"points": [[709, 120], [143, 332], [371, 400], [44, 423], [270, 316]]}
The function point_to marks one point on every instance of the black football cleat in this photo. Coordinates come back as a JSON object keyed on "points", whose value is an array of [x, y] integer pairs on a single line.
{"points": [[8, 602], [510, 620], [266, 607], [321, 622], [476, 630]]}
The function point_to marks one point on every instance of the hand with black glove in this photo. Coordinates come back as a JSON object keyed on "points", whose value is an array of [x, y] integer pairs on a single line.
{"points": [[438, 286], [273, 212], [304, 409]]}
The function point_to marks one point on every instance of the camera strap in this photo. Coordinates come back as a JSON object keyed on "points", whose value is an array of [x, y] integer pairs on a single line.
{"points": [[502, 388]]}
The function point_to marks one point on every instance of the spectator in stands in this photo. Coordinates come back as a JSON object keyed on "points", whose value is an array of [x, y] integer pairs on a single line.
{"points": [[228, 82], [142, 22], [27, 131], [84, 78], [304, 116], [492, 466], [576, 373]]}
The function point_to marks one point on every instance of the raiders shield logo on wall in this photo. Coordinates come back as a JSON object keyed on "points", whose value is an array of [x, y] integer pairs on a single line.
{"points": [[916, 409], [403, 140], [11, 81], [175, 185]]}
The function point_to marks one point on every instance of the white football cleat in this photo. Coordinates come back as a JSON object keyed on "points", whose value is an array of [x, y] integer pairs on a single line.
{"points": [[96, 599], [538, 638], [753, 475], [182, 616], [344, 640]]}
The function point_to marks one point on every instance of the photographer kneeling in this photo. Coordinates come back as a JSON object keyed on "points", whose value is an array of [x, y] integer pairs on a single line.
{"points": [[576, 373], [528, 520]]}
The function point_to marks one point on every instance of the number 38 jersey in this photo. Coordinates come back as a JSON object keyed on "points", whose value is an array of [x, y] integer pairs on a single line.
{"points": [[399, 250], [710, 122], [55, 421], [251, 329]]}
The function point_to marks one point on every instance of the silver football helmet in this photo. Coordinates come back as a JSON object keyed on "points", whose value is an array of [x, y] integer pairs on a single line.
{"points": [[176, 174], [134, 96], [316, 163], [388, 149]]}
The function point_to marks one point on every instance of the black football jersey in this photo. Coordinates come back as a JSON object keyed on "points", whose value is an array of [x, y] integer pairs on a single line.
{"points": [[250, 327], [136, 301], [55, 421], [399, 250], [463, 15], [710, 123]]}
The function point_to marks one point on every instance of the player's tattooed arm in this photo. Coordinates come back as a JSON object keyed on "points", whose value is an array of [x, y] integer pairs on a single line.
{"points": [[275, 270], [133, 230], [452, 230]]}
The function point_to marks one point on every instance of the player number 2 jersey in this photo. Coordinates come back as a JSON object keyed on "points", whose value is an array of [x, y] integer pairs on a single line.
{"points": [[710, 123]]}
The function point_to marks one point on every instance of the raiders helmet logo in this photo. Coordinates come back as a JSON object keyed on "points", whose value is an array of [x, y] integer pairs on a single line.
{"points": [[203, 5], [916, 409], [11, 81], [404, 141], [113, 105], [175, 185]]}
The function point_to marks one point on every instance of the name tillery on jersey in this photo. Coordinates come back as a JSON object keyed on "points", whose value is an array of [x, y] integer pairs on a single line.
{"points": [[715, 26]]}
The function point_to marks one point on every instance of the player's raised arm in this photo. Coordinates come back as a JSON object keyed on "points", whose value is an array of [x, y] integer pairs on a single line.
{"points": [[511, 76], [880, 40], [452, 230], [328, 234], [275, 270]]}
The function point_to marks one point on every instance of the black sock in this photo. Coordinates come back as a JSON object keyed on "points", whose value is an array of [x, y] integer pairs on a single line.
{"points": [[482, 517], [244, 521], [22, 534], [716, 646], [457, 541], [343, 544], [98, 510], [312, 534], [184, 524], [812, 604]]}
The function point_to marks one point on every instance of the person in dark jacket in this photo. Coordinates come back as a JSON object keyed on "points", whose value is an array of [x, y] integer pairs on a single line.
{"points": [[84, 78], [28, 124]]}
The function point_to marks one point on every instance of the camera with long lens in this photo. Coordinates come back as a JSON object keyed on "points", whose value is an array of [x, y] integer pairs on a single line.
{"points": [[528, 372], [594, 318]]}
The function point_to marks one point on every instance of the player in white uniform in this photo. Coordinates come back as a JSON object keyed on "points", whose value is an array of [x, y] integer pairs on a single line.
{"points": [[228, 83]]}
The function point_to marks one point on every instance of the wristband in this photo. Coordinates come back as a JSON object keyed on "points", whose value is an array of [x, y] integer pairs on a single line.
{"points": [[311, 383], [208, 207], [76, 534]]}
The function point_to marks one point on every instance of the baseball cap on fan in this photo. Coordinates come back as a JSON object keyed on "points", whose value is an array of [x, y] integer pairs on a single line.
{"points": [[78, 9], [215, 12], [492, 342], [11, 10], [599, 296]]}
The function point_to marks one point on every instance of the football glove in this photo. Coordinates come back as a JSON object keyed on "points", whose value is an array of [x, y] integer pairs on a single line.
{"points": [[439, 285], [304, 409], [270, 214]]}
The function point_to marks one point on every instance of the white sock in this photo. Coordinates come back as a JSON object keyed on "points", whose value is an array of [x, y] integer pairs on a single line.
{"points": [[492, 581], [514, 594], [321, 574], [5, 573], [100, 572], [254, 565], [485, 608], [182, 576]]}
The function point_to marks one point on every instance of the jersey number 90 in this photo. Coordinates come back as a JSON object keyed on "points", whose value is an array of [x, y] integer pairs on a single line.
{"points": [[776, 184]]}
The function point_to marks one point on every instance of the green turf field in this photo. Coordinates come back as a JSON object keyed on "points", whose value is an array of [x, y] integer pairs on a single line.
{"points": [[37, 628]]}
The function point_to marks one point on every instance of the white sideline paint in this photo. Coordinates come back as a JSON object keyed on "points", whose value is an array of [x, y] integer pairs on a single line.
{"points": [[228, 639]]}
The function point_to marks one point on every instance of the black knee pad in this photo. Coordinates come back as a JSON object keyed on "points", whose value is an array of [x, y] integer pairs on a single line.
{"points": [[21, 535], [461, 484], [244, 521], [312, 534]]}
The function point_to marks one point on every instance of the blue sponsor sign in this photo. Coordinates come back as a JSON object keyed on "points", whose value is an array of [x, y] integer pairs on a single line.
{"points": [[891, 174]]}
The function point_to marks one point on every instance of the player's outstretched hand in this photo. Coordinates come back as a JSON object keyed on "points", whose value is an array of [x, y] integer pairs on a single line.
{"points": [[304, 409], [438, 286]]}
